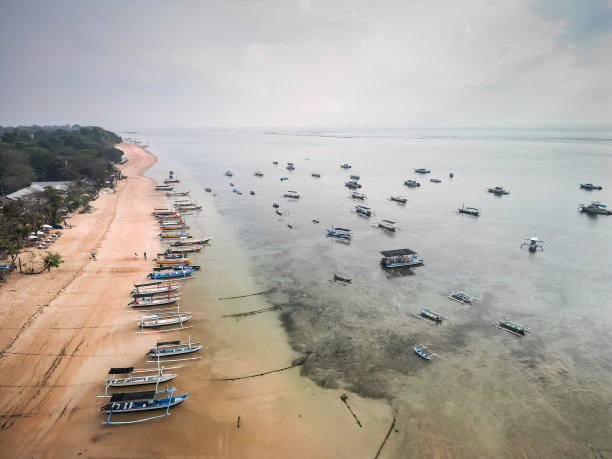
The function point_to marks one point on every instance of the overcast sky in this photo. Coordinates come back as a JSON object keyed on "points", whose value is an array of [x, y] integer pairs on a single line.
{"points": [[126, 64]]}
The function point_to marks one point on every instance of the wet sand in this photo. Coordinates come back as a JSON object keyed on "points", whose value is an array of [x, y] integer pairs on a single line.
{"points": [[61, 332]]}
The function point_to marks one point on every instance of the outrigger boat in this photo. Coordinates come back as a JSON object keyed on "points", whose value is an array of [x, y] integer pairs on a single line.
{"points": [[175, 227], [400, 199], [170, 180], [290, 166], [462, 297], [183, 241], [174, 234], [164, 188], [175, 267], [352, 184], [172, 348], [152, 288], [144, 301], [469, 210], [356, 195], [424, 353], [412, 183], [345, 166], [430, 316], [533, 244], [136, 377], [387, 225], [162, 319], [346, 280], [316, 175], [341, 233], [498, 190], [590, 186], [172, 194], [513, 327], [186, 249], [171, 274], [596, 207], [258, 174], [354, 177], [141, 401], [228, 173], [435, 180], [400, 258], [188, 208], [365, 211], [291, 194], [173, 261], [422, 171]]}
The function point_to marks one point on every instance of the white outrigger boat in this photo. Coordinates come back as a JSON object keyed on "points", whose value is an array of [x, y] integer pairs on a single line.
{"points": [[424, 353], [122, 377], [141, 401], [533, 244], [388, 225], [162, 319], [145, 301], [400, 258], [400, 199], [513, 327], [165, 349], [469, 210], [341, 233], [291, 195], [153, 288], [430, 316]]}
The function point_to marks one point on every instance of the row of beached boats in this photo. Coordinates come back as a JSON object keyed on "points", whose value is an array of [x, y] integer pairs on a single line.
{"points": [[161, 294]]}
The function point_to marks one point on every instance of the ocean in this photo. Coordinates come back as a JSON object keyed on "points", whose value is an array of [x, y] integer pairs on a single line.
{"points": [[488, 393]]}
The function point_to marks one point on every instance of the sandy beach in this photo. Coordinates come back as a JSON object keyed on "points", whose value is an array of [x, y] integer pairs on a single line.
{"points": [[61, 331]]}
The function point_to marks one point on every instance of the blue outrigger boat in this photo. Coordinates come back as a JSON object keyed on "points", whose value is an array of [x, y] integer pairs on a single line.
{"points": [[513, 327], [341, 233], [171, 274], [400, 258], [141, 401], [462, 297], [365, 211], [172, 348], [424, 353]]}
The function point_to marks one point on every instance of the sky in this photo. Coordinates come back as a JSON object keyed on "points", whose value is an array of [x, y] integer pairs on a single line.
{"points": [[130, 64]]}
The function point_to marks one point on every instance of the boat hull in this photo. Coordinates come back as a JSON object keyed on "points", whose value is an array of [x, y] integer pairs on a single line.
{"points": [[169, 352], [139, 380], [144, 405]]}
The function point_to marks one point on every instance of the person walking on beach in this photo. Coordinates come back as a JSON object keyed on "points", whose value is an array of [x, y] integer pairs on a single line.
{"points": [[93, 255], [145, 255], [135, 255]]}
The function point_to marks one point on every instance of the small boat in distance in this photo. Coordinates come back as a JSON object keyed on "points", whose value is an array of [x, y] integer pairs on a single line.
{"points": [[316, 175], [533, 244], [290, 167], [258, 174], [354, 177], [275, 163], [435, 180], [291, 194], [352, 184], [462, 297], [595, 208], [469, 210], [451, 175], [412, 183], [422, 171], [341, 233], [346, 280], [430, 316], [356, 195], [345, 166], [387, 225], [400, 199], [590, 186], [282, 179], [424, 353], [513, 327], [363, 210], [400, 258], [498, 190], [228, 173]]}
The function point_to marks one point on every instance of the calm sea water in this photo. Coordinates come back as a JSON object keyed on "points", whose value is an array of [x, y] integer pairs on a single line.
{"points": [[489, 394]]}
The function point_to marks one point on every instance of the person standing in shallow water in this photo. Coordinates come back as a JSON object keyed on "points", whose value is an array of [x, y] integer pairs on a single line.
{"points": [[145, 255]]}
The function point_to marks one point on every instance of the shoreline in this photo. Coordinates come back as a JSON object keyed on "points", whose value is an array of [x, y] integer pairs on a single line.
{"points": [[69, 337]]}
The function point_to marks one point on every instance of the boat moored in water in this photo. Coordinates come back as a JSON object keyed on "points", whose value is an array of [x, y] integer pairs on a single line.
{"points": [[352, 184], [422, 171], [387, 225], [424, 353], [498, 190], [345, 166], [469, 210], [400, 258], [356, 195], [341, 233], [365, 211], [400, 199], [595, 208], [462, 297], [533, 244], [412, 183], [430, 316], [513, 327], [291, 195], [590, 186]]}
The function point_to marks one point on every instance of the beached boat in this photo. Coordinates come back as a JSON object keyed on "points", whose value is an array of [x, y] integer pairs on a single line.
{"points": [[291, 194], [595, 208], [171, 274], [469, 210], [186, 249], [430, 316], [498, 190], [164, 188], [172, 194], [363, 210], [345, 166], [341, 233], [412, 183], [152, 288], [128, 376], [163, 319], [172, 261], [346, 280], [141, 401], [146, 301], [462, 297], [533, 244], [168, 181], [173, 348], [424, 353], [400, 258], [258, 174], [183, 241], [387, 225], [352, 184], [400, 199], [174, 234], [316, 175], [422, 171], [513, 327], [590, 186]]}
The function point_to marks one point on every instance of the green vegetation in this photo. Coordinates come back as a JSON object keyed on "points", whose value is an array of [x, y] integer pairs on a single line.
{"points": [[85, 156]]}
